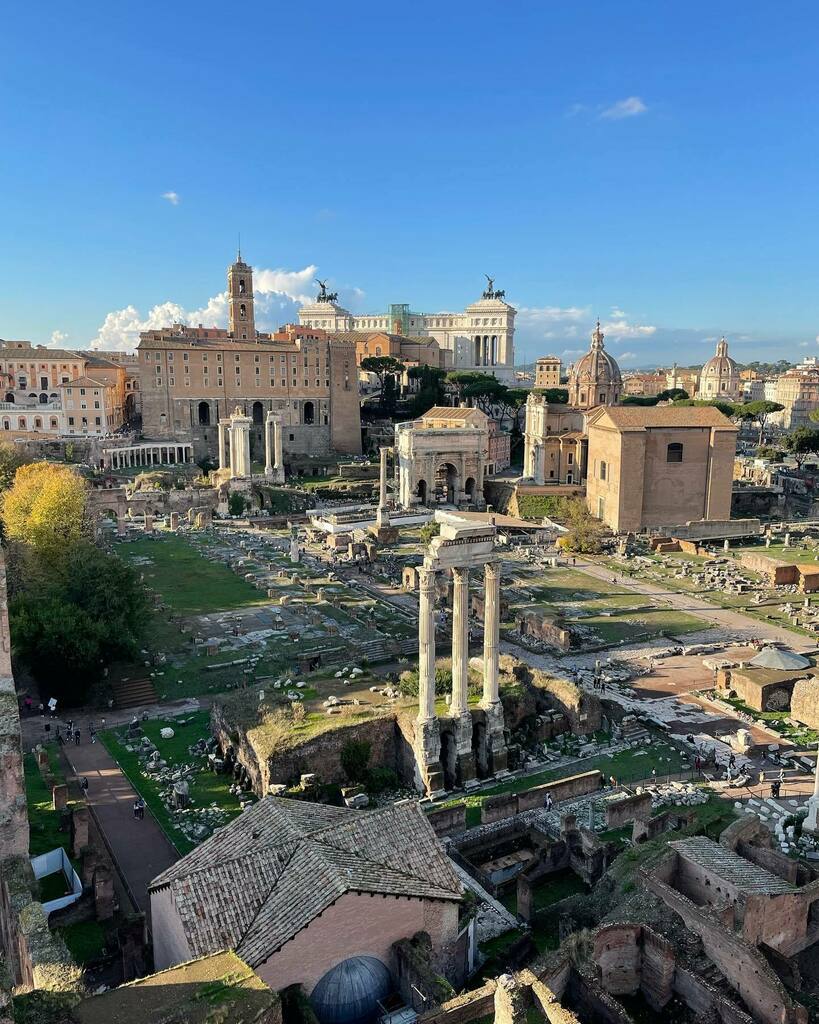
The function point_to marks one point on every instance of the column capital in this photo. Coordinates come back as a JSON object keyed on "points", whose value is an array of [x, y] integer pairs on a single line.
{"points": [[460, 573], [426, 578], [493, 568]]}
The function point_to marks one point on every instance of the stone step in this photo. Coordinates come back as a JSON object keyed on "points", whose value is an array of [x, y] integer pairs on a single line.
{"points": [[134, 692]]}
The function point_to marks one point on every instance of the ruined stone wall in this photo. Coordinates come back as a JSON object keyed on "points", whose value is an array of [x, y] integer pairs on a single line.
{"points": [[320, 754], [13, 815], [778, 920], [805, 702], [702, 998], [581, 707], [504, 805], [543, 626], [619, 956], [446, 820], [777, 572], [745, 969], [628, 808]]}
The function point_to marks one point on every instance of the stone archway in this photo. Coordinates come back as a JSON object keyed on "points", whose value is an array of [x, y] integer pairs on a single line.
{"points": [[421, 492], [469, 490], [447, 481]]}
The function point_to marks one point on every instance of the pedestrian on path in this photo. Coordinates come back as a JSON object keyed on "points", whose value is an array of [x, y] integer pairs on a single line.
{"points": [[762, 777], [136, 810], [84, 786], [77, 737], [92, 733]]}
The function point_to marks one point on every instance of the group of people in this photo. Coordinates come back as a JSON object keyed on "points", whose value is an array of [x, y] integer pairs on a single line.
{"points": [[139, 809]]}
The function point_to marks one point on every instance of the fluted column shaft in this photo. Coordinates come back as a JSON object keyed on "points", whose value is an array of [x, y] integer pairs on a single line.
{"points": [[426, 644], [491, 632], [460, 640]]}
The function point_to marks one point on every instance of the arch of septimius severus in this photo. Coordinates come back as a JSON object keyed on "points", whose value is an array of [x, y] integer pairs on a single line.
{"points": [[453, 749]]}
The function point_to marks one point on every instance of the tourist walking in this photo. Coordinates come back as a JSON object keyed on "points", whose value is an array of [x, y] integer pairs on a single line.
{"points": [[77, 737], [136, 810], [84, 786], [92, 732]]}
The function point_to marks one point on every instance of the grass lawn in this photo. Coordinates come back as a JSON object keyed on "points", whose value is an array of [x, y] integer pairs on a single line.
{"points": [[206, 787], [625, 766], [186, 582], [800, 735], [778, 550], [602, 611], [44, 822], [85, 940]]}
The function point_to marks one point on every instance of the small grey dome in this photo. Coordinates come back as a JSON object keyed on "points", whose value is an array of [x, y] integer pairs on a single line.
{"points": [[349, 993]]}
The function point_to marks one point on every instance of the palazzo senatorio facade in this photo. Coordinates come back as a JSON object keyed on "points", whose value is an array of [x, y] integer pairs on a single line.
{"points": [[191, 377]]}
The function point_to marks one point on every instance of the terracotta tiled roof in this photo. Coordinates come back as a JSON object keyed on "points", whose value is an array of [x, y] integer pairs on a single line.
{"points": [[744, 875], [641, 417], [86, 382], [256, 883]]}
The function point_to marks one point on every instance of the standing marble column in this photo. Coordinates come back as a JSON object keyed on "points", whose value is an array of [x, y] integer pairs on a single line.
{"points": [[268, 445], [811, 823], [426, 645], [232, 450], [278, 454], [491, 633], [460, 641], [383, 515]]}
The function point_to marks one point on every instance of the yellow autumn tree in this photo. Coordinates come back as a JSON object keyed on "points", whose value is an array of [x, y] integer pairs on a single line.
{"points": [[45, 509]]}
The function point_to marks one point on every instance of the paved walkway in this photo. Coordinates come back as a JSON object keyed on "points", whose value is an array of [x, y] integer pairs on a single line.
{"points": [[140, 849]]}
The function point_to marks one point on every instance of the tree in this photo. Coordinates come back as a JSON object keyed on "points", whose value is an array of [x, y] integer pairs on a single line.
{"points": [[485, 391], [431, 389], [640, 400], [554, 396], [236, 503], [428, 531], [760, 411], [68, 626], [672, 394], [585, 532], [45, 509], [458, 381], [801, 442], [726, 408], [10, 461], [382, 367]]}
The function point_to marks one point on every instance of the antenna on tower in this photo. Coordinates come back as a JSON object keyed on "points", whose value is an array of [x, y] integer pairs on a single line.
{"points": [[239, 249]]}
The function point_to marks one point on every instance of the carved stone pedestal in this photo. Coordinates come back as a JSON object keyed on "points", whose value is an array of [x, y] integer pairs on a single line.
{"points": [[463, 745], [428, 755], [495, 738]]}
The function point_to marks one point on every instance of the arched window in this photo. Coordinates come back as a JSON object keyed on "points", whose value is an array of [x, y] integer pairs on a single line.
{"points": [[309, 413], [241, 286], [21, 423], [674, 452], [54, 423], [258, 413], [6, 425], [378, 350], [242, 311], [204, 414], [10, 397], [43, 398], [582, 397]]}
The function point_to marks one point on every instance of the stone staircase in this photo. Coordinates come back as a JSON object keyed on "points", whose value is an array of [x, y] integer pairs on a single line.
{"points": [[131, 693], [633, 731]]}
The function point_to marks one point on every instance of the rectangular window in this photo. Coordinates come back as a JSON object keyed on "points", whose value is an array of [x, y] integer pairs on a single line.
{"points": [[570, 458], [97, 420], [170, 357], [82, 391], [185, 356], [71, 421], [272, 382], [218, 357], [171, 381]]}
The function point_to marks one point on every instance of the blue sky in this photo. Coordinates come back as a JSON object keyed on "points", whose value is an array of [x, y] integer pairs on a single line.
{"points": [[653, 164]]}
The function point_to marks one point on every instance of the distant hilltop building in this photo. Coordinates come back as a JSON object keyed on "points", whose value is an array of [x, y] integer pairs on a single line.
{"points": [[720, 375], [595, 378], [482, 337]]}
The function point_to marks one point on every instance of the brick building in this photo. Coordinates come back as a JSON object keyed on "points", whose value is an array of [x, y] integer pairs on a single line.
{"points": [[659, 467], [547, 372], [193, 376]]}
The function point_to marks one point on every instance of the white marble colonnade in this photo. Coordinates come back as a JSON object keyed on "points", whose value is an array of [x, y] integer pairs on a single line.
{"points": [[236, 430], [273, 449], [148, 454]]}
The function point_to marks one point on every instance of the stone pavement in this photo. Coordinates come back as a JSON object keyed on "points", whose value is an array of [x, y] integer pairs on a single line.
{"points": [[140, 849]]}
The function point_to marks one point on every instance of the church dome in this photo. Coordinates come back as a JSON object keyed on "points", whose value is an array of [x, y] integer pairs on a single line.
{"points": [[720, 374], [597, 365], [595, 378], [351, 991]]}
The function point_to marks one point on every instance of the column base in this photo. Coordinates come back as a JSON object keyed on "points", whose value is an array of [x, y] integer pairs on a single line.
{"points": [[496, 753], [465, 765], [811, 823], [382, 517], [428, 754]]}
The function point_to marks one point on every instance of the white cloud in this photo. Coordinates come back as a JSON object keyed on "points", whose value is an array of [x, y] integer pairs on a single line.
{"points": [[621, 328], [575, 109], [533, 315], [626, 355], [632, 106], [58, 337], [617, 313], [804, 344], [278, 294], [573, 352], [171, 197]]}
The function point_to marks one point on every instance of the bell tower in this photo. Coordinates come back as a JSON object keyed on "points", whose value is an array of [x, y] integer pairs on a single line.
{"points": [[241, 319]]}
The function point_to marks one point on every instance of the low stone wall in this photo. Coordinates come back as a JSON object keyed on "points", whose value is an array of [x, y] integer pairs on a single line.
{"points": [[464, 1008], [628, 808], [447, 820], [549, 629], [505, 805], [775, 571], [805, 702]]}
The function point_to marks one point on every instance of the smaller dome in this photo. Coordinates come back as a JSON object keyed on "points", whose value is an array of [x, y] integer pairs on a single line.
{"points": [[721, 365], [779, 659], [350, 992]]}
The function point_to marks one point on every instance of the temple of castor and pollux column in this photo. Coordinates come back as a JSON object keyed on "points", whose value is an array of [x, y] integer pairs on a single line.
{"points": [[467, 742]]}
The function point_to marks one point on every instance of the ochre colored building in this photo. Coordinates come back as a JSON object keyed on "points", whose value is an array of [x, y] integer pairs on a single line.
{"points": [[547, 372], [659, 467], [193, 376]]}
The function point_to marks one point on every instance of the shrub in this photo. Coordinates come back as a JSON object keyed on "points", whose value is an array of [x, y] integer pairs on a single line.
{"points": [[380, 779], [355, 756]]}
